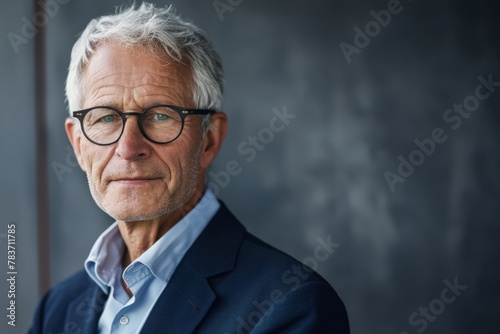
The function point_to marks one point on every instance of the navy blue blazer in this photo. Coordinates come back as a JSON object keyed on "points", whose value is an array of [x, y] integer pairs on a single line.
{"points": [[228, 282]]}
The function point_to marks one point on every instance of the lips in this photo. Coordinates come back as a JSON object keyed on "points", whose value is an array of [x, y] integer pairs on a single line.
{"points": [[133, 179]]}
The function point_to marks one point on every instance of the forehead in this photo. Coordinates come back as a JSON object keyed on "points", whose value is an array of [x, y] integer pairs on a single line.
{"points": [[115, 69]]}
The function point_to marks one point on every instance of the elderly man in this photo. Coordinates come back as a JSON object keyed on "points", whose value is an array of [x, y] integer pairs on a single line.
{"points": [[145, 90]]}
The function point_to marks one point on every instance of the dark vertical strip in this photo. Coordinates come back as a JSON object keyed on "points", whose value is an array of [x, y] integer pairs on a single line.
{"points": [[42, 187]]}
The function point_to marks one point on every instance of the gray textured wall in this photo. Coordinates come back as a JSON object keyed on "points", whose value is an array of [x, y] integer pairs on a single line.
{"points": [[323, 175]]}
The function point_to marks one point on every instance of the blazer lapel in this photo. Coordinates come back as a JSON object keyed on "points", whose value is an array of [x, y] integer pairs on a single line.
{"points": [[188, 296], [182, 305]]}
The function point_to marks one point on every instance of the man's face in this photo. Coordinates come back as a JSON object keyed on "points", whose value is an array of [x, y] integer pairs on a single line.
{"points": [[135, 179]]}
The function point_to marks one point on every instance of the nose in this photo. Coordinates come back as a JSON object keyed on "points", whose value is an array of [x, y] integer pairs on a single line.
{"points": [[132, 145]]}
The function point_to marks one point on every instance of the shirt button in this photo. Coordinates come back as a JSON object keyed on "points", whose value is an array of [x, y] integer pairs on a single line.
{"points": [[124, 320]]}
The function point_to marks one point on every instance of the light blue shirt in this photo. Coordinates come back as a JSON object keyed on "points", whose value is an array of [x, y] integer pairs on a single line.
{"points": [[148, 275]]}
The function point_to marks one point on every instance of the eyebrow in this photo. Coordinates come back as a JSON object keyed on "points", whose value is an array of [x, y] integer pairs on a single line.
{"points": [[140, 107]]}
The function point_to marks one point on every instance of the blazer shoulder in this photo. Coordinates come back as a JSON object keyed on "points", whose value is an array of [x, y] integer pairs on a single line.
{"points": [[283, 291], [228, 239], [256, 251]]}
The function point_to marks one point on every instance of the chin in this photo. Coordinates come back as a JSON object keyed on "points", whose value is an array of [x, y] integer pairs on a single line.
{"points": [[132, 217], [140, 206], [132, 213]]}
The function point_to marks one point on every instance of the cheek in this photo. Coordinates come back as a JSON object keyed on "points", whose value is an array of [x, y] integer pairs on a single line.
{"points": [[189, 146], [182, 158], [94, 159], [191, 136]]}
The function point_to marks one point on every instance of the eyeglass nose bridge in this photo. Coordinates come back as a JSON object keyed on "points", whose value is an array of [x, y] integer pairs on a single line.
{"points": [[125, 115]]}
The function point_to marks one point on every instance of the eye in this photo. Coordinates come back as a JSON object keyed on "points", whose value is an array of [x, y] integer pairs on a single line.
{"points": [[160, 117], [107, 119], [101, 116]]}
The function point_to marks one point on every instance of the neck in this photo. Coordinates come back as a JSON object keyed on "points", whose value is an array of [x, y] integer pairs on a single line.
{"points": [[139, 236]]}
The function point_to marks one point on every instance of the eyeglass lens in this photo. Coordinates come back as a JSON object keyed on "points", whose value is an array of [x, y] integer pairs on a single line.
{"points": [[105, 125]]}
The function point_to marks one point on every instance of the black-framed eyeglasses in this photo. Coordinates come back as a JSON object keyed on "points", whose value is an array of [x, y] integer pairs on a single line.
{"points": [[160, 124]]}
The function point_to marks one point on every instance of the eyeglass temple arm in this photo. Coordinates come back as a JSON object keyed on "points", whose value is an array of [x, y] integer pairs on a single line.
{"points": [[197, 111]]}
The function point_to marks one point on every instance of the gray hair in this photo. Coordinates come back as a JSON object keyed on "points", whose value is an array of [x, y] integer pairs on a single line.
{"points": [[160, 30]]}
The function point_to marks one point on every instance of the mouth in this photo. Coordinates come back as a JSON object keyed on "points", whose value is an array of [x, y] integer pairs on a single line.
{"points": [[134, 181]]}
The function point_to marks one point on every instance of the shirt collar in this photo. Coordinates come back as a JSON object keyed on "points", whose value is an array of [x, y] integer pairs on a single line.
{"points": [[161, 258]]}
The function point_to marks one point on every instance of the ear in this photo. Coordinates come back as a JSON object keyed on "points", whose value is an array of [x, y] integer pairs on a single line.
{"points": [[75, 135], [214, 138]]}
